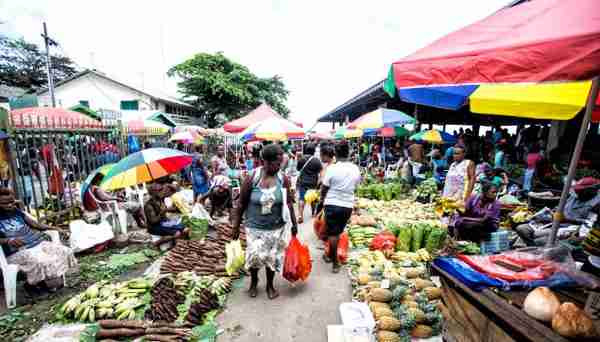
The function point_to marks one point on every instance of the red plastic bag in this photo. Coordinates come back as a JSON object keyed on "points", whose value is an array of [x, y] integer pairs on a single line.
{"points": [[320, 227], [382, 241], [342, 249], [297, 264]]}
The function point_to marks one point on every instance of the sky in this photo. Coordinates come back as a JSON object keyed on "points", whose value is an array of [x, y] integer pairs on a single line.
{"points": [[327, 51]]}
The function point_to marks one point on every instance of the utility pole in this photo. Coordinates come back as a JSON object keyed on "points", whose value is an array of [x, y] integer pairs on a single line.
{"points": [[48, 42]]}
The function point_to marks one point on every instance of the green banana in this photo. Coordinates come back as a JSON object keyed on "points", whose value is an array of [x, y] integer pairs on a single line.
{"points": [[92, 291], [123, 315], [131, 315], [92, 315]]}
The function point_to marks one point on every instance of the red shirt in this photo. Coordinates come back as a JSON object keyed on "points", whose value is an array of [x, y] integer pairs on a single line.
{"points": [[533, 159]]}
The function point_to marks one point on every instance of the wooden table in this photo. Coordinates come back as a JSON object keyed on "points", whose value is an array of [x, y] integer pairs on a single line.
{"points": [[492, 315]]}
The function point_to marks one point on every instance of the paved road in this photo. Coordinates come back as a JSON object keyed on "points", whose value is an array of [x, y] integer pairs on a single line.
{"points": [[301, 313]]}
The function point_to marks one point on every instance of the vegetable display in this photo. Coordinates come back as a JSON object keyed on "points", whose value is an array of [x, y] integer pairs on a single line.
{"points": [[427, 191], [383, 191], [149, 331], [126, 300]]}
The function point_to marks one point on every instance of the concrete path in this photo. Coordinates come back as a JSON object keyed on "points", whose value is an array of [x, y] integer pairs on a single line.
{"points": [[301, 313]]}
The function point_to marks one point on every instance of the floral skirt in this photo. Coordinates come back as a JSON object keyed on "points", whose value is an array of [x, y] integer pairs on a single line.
{"points": [[264, 248], [45, 261]]}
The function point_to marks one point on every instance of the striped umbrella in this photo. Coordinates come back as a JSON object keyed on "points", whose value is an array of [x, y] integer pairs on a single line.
{"points": [[273, 129], [346, 133], [187, 137], [434, 136], [387, 132], [145, 166], [381, 118]]}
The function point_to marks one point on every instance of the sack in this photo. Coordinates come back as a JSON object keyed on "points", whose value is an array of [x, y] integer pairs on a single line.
{"points": [[342, 249], [235, 257], [85, 236], [297, 264], [320, 227], [383, 241]]}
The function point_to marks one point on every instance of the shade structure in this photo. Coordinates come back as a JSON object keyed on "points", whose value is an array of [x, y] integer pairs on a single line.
{"points": [[261, 113], [380, 118], [48, 117], [274, 129], [322, 136], [347, 133], [187, 137], [145, 166], [103, 170], [536, 41], [386, 132], [433, 136]]}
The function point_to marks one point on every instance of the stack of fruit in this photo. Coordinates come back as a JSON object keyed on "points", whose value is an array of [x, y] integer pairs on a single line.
{"points": [[120, 301], [361, 237]]}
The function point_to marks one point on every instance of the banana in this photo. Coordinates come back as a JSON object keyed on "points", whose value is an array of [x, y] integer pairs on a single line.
{"points": [[131, 314], [92, 315], [123, 315], [84, 314], [92, 291]]}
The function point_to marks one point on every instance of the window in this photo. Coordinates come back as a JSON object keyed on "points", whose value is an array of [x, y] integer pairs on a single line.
{"points": [[85, 103], [130, 105]]}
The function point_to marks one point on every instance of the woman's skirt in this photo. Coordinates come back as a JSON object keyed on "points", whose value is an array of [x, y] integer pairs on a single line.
{"points": [[44, 262], [264, 248]]}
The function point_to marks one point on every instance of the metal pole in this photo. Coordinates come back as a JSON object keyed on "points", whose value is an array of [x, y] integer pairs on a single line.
{"points": [[559, 214], [47, 42]]}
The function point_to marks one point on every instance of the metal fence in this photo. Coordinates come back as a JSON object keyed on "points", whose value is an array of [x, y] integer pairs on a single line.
{"points": [[49, 161]]}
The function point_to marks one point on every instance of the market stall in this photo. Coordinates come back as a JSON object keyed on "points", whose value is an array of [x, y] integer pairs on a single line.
{"points": [[547, 74]]}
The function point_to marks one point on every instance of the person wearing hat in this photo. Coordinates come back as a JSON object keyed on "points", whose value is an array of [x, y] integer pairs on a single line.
{"points": [[579, 211], [219, 195]]}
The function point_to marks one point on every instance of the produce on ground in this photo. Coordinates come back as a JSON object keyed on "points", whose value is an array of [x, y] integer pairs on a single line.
{"points": [[149, 331], [126, 300], [198, 227], [361, 237], [427, 191], [571, 321], [383, 191]]}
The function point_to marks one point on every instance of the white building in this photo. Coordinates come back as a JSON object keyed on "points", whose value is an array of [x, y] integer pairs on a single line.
{"points": [[102, 93]]}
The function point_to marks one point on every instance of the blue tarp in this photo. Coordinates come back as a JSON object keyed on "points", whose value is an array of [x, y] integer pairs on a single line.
{"points": [[478, 281]]}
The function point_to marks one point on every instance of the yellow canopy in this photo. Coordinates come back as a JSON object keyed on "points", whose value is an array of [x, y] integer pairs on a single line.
{"points": [[549, 101]]}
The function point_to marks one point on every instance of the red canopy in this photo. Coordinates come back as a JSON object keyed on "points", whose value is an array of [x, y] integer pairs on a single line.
{"points": [[536, 41], [262, 112], [48, 117]]}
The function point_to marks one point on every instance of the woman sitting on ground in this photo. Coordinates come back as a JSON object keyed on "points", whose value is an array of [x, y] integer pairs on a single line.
{"points": [[156, 215], [43, 262], [481, 216]]}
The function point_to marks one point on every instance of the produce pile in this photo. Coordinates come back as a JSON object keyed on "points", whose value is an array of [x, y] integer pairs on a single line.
{"points": [[149, 331], [383, 191], [402, 298], [126, 300], [427, 191], [187, 298], [203, 257]]}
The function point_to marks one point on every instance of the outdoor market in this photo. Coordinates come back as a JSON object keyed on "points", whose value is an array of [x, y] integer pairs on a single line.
{"points": [[455, 200]]}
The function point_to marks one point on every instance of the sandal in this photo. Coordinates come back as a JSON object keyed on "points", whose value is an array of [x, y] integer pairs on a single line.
{"points": [[272, 294], [336, 268], [253, 292]]}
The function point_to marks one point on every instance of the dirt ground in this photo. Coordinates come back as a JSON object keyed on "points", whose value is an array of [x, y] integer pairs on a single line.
{"points": [[301, 313]]}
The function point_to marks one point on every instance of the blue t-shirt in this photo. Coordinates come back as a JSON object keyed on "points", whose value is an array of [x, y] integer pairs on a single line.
{"points": [[13, 226], [499, 162]]}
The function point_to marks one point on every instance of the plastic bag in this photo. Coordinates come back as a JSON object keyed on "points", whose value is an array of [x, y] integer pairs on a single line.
{"points": [[85, 236], [383, 241], [342, 249], [235, 257], [297, 264], [320, 227], [417, 237]]}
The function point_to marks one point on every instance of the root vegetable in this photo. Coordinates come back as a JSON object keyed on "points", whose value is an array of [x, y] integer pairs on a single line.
{"points": [[161, 338], [541, 304], [113, 323], [119, 333]]}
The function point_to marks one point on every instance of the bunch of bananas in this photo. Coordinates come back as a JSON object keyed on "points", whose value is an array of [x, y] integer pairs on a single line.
{"points": [[421, 255], [102, 300], [311, 196], [448, 206], [221, 286]]}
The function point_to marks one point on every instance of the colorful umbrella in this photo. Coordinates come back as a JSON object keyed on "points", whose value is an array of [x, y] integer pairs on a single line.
{"points": [[145, 166], [104, 169], [260, 113], [274, 129], [387, 132], [187, 137], [380, 118], [434, 136], [322, 136], [346, 133]]}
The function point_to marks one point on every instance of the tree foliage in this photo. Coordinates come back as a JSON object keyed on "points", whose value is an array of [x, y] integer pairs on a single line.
{"points": [[224, 88], [23, 65]]}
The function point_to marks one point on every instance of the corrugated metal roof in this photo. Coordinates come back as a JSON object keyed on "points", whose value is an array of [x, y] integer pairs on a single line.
{"points": [[352, 107]]}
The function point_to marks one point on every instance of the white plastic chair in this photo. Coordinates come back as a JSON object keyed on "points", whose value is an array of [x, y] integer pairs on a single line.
{"points": [[119, 216], [10, 271]]}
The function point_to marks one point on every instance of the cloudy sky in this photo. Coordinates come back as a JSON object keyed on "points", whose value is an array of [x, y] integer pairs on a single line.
{"points": [[326, 51]]}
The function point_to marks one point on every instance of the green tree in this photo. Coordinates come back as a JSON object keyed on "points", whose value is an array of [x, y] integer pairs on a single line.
{"points": [[23, 65], [222, 87]]}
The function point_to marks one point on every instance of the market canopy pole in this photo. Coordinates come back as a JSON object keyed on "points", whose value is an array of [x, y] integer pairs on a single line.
{"points": [[590, 106]]}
